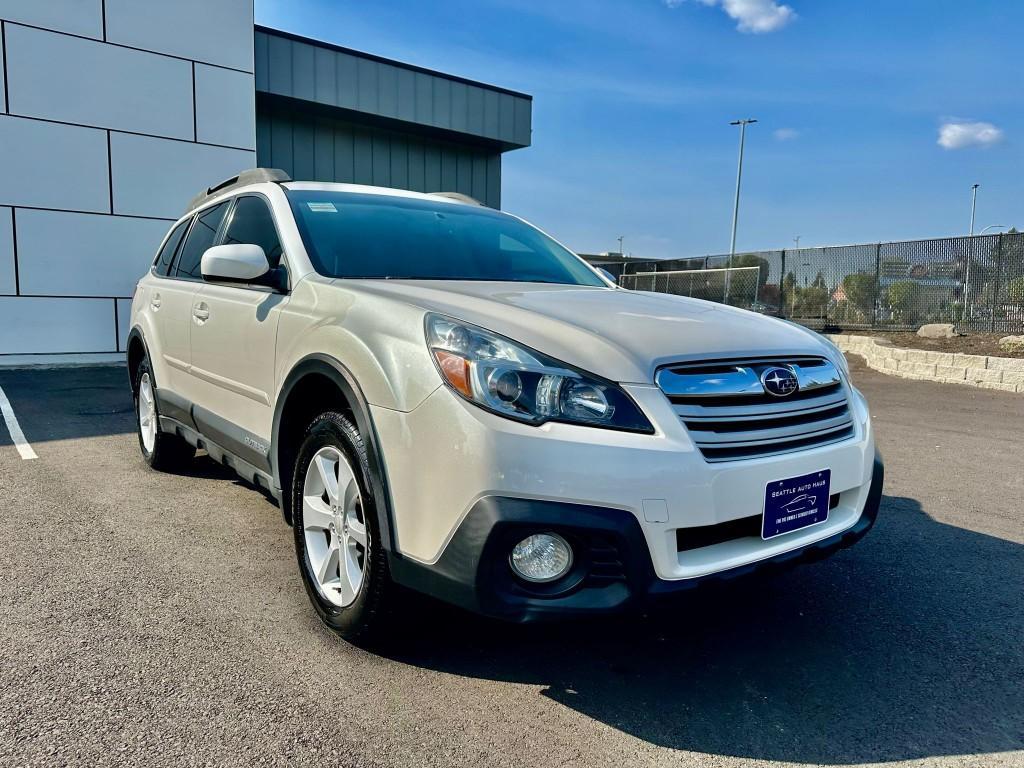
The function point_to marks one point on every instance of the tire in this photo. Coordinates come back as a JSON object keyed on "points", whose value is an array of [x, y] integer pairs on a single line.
{"points": [[345, 523], [162, 451]]}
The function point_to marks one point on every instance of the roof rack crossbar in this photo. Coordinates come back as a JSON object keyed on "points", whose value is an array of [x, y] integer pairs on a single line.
{"points": [[251, 176]]}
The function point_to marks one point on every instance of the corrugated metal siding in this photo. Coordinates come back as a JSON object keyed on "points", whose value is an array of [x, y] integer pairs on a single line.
{"points": [[313, 147], [289, 67]]}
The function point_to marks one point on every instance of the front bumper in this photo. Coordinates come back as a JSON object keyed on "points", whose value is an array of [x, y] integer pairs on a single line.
{"points": [[613, 570]]}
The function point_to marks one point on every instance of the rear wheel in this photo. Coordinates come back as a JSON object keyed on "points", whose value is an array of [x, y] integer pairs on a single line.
{"points": [[337, 538], [161, 450]]}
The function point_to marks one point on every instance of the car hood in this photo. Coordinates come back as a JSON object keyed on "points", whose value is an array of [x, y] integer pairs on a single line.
{"points": [[618, 334]]}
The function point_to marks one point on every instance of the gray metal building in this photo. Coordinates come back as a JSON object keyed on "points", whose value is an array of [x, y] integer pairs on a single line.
{"points": [[329, 113], [113, 113]]}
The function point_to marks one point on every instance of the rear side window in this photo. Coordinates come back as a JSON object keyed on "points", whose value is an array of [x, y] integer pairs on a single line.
{"points": [[200, 237], [252, 223], [166, 255]]}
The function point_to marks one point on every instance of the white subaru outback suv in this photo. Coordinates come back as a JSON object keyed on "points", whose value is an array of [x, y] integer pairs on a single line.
{"points": [[441, 396]]}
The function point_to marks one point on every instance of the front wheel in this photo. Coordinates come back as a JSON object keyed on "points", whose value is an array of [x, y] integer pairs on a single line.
{"points": [[337, 537]]}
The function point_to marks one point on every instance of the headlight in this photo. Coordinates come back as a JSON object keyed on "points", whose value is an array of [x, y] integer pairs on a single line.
{"points": [[514, 381]]}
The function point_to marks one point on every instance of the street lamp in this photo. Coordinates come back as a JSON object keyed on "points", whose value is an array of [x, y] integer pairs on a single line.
{"points": [[970, 256], [991, 226], [736, 203], [974, 203], [621, 252]]}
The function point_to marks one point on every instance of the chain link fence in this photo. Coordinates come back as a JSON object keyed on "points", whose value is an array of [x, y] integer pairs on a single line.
{"points": [[976, 283]]}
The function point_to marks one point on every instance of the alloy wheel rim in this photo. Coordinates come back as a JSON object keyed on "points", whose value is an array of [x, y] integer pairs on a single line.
{"points": [[147, 413], [334, 527]]}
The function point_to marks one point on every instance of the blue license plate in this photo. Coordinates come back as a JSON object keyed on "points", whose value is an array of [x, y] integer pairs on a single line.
{"points": [[795, 503]]}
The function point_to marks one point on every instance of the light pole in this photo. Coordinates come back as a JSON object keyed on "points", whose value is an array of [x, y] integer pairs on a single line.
{"points": [[797, 241], [621, 252], [974, 203], [970, 256], [736, 203]]}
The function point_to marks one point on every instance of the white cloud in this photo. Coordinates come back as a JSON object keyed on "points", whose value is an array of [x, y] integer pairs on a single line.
{"points": [[754, 16], [957, 134], [785, 134]]}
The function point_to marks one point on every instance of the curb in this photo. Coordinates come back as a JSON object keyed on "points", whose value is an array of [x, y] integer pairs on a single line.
{"points": [[1002, 373]]}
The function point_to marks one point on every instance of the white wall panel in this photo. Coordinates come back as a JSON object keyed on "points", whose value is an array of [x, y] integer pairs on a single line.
{"points": [[79, 17], [54, 325], [7, 282], [158, 177], [47, 165], [225, 107], [89, 83], [3, 87], [81, 254], [217, 32], [124, 322]]}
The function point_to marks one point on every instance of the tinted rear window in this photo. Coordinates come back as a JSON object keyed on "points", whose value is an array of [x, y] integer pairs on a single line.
{"points": [[352, 235], [166, 255], [200, 237]]}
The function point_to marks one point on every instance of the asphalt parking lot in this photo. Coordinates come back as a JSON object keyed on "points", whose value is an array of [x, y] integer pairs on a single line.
{"points": [[160, 620]]}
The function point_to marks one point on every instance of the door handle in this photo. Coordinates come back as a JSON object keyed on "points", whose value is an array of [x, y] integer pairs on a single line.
{"points": [[201, 312], [155, 302]]}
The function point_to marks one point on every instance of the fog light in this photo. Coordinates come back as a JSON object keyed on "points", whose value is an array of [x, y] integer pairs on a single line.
{"points": [[541, 557]]}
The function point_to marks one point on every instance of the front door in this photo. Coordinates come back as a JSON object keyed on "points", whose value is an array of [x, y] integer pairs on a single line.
{"points": [[233, 340]]}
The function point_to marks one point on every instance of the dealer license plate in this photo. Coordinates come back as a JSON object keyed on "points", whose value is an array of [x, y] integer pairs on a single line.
{"points": [[795, 503]]}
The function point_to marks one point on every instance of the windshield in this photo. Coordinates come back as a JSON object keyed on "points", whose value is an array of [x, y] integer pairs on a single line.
{"points": [[354, 235]]}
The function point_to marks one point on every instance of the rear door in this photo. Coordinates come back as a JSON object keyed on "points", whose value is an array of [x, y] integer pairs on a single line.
{"points": [[149, 298], [234, 333], [176, 299]]}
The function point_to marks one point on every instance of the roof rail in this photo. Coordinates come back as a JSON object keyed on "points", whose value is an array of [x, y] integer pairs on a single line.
{"points": [[459, 197], [251, 176]]}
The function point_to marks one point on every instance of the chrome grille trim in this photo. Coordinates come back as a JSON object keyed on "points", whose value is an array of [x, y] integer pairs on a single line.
{"points": [[742, 379], [729, 418]]}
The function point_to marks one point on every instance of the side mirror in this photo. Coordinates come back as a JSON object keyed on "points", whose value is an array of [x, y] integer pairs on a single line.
{"points": [[240, 262], [608, 275]]}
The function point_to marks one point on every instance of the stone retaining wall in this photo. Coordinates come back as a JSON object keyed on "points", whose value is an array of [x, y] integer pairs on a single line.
{"points": [[1002, 373]]}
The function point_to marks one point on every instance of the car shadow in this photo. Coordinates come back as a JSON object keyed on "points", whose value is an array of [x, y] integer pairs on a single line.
{"points": [[906, 646]]}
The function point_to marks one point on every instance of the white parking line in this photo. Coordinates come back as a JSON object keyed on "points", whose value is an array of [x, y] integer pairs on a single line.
{"points": [[15, 428]]}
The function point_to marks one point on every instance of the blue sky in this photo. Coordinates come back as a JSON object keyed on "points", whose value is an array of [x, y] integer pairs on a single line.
{"points": [[632, 102]]}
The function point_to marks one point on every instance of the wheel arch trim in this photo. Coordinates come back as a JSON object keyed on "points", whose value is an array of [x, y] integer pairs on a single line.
{"points": [[135, 334], [340, 376]]}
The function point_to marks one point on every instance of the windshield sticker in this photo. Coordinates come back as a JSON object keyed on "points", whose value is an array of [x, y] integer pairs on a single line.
{"points": [[322, 207]]}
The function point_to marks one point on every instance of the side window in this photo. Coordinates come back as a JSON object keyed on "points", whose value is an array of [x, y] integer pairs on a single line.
{"points": [[252, 223], [162, 265], [199, 239]]}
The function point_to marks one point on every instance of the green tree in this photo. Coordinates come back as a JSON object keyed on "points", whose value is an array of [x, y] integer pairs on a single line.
{"points": [[904, 299], [1015, 290], [810, 302], [859, 289]]}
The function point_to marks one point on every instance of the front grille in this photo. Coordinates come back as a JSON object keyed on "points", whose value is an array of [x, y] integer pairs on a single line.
{"points": [[730, 415]]}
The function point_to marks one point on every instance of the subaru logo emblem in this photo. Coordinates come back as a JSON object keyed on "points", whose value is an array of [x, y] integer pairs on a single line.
{"points": [[779, 381]]}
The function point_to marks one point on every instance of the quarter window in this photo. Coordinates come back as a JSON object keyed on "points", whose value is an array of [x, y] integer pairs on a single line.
{"points": [[252, 223], [200, 237], [166, 255]]}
